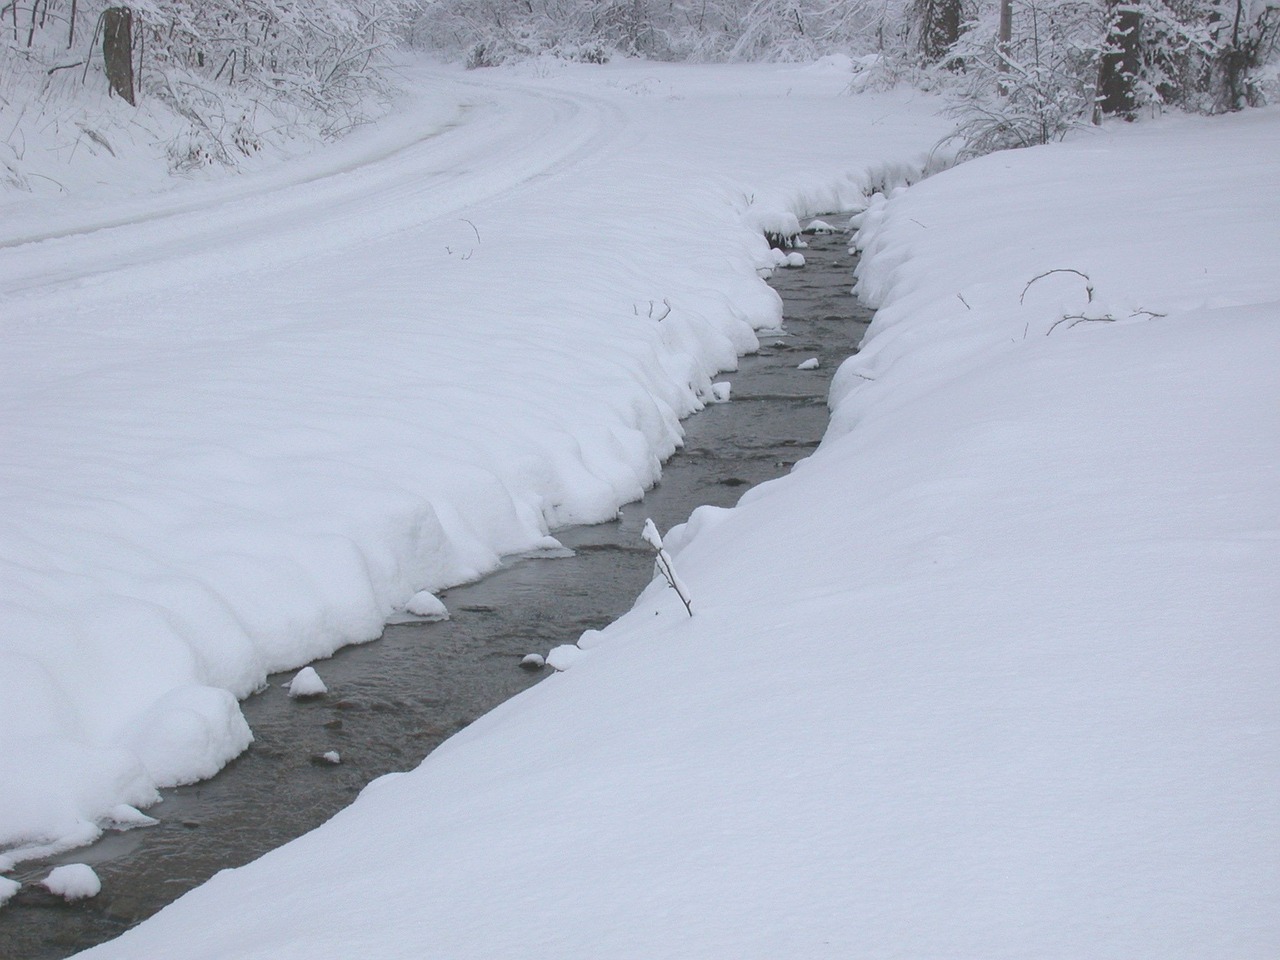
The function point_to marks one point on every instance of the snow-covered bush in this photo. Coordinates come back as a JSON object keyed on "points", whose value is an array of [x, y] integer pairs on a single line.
{"points": [[496, 31], [488, 32], [1034, 88], [227, 72], [1068, 62], [1207, 55]]}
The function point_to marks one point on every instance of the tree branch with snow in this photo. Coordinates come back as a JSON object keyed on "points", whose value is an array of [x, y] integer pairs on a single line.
{"points": [[664, 565]]}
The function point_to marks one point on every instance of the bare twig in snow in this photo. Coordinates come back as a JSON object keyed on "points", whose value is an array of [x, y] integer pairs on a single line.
{"points": [[635, 308], [1084, 276], [664, 565], [1075, 318]]}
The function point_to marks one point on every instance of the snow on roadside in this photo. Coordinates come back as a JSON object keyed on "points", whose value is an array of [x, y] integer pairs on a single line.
{"points": [[991, 675], [245, 424]]}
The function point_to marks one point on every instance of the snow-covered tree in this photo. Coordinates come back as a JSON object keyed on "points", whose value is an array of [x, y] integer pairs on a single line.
{"points": [[491, 31], [1068, 62], [210, 61], [938, 26], [1033, 86], [1204, 54]]}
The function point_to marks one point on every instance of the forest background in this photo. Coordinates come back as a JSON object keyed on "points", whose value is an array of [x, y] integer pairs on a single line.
{"points": [[212, 82]]}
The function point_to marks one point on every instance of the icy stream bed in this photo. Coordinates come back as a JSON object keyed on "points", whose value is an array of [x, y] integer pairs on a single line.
{"points": [[390, 702]]}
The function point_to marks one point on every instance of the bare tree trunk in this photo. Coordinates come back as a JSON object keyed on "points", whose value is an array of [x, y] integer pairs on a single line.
{"points": [[939, 27], [1120, 63], [117, 51], [1235, 62], [1004, 41]]}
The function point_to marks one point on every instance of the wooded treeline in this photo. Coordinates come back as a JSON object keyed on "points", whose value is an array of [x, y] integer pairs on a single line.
{"points": [[1016, 71], [316, 46], [216, 63]]}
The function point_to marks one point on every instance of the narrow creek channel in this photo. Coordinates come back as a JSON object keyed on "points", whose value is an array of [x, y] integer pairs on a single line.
{"points": [[391, 702]]}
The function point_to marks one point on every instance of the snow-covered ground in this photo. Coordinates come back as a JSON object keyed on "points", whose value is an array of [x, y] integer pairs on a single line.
{"points": [[246, 420], [992, 675]]}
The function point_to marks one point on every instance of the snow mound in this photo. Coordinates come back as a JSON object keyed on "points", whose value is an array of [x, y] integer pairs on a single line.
{"points": [[564, 656], [73, 881], [819, 226], [533, 661], [810, 364], [8, 888], [590, 639], [124, 817], [187, 735], [427, 605], [307, 683], [721, 391]]}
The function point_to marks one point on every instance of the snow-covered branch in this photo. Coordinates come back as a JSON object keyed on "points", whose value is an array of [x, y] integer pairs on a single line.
{"points": [[664, 565]]}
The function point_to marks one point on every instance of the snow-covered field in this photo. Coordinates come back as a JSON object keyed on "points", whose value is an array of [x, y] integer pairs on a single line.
{"points": [[991, 675], [246, 420]]}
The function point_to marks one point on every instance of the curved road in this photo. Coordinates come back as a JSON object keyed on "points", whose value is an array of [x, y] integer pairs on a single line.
{"points": [[417, 167]]}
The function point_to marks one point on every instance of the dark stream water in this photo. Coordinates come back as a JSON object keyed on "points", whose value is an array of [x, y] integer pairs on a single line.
{"points": [[391, 702]]}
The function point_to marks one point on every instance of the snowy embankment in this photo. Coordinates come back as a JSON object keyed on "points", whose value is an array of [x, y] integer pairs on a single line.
{"points": [[992, 675], [246, 421]]}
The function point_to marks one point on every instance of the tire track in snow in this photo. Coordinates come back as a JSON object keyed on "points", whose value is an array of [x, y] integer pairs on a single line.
{"points": [[508, 138]]}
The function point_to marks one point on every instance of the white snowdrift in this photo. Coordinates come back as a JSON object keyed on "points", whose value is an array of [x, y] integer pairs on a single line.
{"points": [[247, 422], [992, 675]]}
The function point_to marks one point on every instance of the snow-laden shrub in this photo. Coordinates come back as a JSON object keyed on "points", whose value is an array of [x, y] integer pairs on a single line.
{"points": [[1035, 88], [1067, 62], [228, 71], [488, 32], [1207, 55]]}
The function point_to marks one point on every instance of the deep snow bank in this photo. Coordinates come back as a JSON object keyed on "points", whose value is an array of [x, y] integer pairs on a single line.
{"points": [[992, 675], [245, 423]]}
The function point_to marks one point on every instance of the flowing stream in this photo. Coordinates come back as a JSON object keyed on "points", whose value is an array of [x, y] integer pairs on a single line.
{"points": [[392, 701]]}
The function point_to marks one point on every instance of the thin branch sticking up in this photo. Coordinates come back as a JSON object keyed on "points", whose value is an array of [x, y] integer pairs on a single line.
{"points": [[635, 308], [664, 565], [1088, 283]]}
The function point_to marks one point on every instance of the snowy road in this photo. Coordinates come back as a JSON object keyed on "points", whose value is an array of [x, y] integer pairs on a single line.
{"points": [[414, 169]]}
